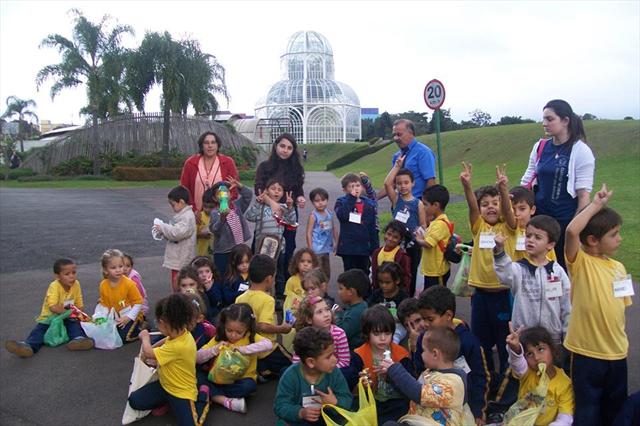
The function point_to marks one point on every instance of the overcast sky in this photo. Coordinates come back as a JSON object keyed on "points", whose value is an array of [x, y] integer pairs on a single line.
{"points": [[506, 58]]}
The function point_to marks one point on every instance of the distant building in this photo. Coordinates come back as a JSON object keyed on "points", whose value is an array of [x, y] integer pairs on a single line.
{"points": [[369, 113], [47, 126]]}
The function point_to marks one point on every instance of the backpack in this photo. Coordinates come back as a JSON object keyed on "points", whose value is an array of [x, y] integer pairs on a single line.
{"points": [[534, 177], [449, 248]]}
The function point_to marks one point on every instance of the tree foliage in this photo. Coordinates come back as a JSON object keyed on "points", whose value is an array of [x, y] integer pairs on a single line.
{"points": [[21, 108], [480, 118], [507, 119], [588, 116]]}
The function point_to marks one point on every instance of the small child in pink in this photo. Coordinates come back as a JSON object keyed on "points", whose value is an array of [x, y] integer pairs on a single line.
{"points": [[136, 278]]}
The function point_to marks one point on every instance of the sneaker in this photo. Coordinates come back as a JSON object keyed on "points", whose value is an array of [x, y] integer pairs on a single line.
{"points": [[160, 411], [21, 349], [235, 404], [80, 344]]}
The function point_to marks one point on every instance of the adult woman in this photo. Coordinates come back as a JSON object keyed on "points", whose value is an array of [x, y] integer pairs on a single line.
{"points": [[561, 167], [202, 170], [284, 164]]}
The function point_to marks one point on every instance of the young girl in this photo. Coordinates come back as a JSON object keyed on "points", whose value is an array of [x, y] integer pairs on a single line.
{"points": [[135, 276], [209, 285], [176, 358], [390, 294], [394, 234], [378, 327], [236, 280], [315, 312], [322, 234], [120, 293], [236, 329], [201, 330], [527, 348], [314, 283], [188, 281]]}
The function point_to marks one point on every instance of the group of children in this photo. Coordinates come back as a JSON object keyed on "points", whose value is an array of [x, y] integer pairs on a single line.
{"points": [[420, 361]]}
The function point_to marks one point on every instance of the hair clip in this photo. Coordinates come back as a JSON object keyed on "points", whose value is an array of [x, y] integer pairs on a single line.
{"points": [[253, 316], [195, 302], [315, 299]]}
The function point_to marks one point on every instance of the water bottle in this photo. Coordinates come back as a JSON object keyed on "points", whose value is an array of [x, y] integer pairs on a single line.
{"points": [[223, 196]]}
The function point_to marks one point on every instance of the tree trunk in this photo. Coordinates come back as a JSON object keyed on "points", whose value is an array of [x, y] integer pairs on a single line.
{"points": [[166, 127], [95, 146]]}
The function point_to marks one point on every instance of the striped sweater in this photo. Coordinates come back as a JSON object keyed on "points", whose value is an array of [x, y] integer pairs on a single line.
{"points": [[341, 344]]}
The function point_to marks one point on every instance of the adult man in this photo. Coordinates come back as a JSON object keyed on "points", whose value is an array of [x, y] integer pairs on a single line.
{"points": [[417, 157]]}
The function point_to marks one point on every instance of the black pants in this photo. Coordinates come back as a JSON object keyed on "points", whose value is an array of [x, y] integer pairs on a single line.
{"points": [[415, 253], [433, 281], [356, 262]]}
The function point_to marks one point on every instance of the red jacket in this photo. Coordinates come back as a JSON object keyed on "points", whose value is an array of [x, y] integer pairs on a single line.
{"points": [[402, 259], [190, 173]]}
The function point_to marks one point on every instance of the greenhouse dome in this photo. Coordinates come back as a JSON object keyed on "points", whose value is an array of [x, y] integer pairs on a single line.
{"points": [[320, 109]]}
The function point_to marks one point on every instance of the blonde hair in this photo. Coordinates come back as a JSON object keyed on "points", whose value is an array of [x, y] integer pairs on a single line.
{"points": [[306, 309], [314, 276], [108, 256]]}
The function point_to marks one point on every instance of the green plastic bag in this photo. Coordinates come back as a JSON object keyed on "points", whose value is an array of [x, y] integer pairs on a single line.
{"points": [[460, 284], [229, 366], [56, 334]]}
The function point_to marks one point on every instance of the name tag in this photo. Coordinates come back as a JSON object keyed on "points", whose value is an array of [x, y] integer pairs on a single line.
{"points": [[311, 401], [553, 288], [461, 363], [67, 303], [623, 287], [403, 216], [243, 287], [487, 240], [355, 217], [124, 311], [520, 243]]}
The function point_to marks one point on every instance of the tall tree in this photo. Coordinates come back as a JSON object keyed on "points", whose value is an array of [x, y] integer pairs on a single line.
{"points": [[480, 118], [187, 76], [94, 57], [21, 107]]}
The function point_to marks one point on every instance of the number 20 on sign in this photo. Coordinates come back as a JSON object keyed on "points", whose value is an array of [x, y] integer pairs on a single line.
{"points": [[434, 94]]}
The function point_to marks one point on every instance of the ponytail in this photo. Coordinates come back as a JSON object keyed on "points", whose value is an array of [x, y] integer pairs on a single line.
{"points": [[575, 127]]}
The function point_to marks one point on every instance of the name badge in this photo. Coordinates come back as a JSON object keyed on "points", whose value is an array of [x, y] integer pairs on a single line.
{"points": [[311, 401], [487, 240], [403, 216], [553, 288], [355, 217], [243, 287], [124, 311], [67, 303], [520, 243], [461, 363], [623, 287]]}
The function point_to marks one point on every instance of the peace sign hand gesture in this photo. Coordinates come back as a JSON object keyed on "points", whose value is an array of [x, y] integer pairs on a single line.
{"points": [[502, 179], [465, 175], [602, 197], [513, 339], [289, 199]]}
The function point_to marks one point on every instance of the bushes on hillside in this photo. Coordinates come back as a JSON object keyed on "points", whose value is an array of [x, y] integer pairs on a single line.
{"points": [[355, 155], [16, 173]]}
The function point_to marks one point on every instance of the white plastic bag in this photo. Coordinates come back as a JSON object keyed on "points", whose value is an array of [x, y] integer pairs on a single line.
{"points": [[104, 334], [141, 375]]}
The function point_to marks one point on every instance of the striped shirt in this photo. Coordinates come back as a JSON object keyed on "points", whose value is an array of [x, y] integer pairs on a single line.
{"points": [[342, 346]]}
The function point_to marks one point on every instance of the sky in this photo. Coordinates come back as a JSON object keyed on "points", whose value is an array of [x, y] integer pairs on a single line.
{"points": [[505, 58]]}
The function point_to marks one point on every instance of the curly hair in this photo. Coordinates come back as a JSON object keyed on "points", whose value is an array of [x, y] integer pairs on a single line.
{"points": [[297, 257], [176, 311], [305, 311]]}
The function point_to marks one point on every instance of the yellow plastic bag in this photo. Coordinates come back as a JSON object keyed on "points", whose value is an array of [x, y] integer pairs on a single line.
{"points": [[526, 410], [366, 414], [229, 366]]}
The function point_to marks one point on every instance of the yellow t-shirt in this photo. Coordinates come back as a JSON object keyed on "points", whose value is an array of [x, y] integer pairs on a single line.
{"points": [[596, 325], [56, 294], [559, 397], [264, 309], [433, 262], [511, 243], [387, 256], [253, 359], [294, 286], [122, 295], [203, 244], [482, 274], [177, 366]]}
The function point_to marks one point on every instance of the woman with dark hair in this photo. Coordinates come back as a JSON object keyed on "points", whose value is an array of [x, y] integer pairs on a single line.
{"points": [[561, 168], [202, 170], [285, 165]]}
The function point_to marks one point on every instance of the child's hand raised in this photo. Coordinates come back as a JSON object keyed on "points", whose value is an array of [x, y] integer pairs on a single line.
{"points": [[327, 398], [465, 175], [412, 335], [399, 161], [261, 196], [499, 239], [502, 181], [513, 339], [602, 197], [233, 183], [289, 199]]}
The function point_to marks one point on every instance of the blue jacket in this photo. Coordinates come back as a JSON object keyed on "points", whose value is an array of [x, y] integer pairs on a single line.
{"points": [[359, 239]]}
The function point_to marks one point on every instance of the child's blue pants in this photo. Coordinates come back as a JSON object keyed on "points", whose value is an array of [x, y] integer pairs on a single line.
{"points": [[36, 337], [490, 316], [188, 413]]}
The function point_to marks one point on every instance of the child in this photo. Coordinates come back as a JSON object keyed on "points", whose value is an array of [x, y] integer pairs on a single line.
{"points": [[394, 234], [262, 270], [202, 330], [315, 312], [302, 262], [120, 293], [378, 327], [322, 234], [188, 281], [410, 318], [136, 278], [176, 359], [540, 288], [390, 295], [358, 232], [236, 281], [62, 292], [435, 267], [314, 283], [437, 306], [439, 395], [601, 290], [204, 236], [314, 381], [230, 227], [180, 234], [407, 209], [528, 348], [491, 304], [237, 330], [209, 286], [352, 288]]}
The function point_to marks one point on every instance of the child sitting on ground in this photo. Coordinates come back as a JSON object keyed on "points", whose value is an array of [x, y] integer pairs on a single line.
{"points": [[409, 316], [204, 236], [236, 281], [136, 278], [209, 286], [63, 292], [394, 234], [306, 386], [390, 295], [352, 288], [180, 234], [201, 330], [322, 234], [315, 283]]}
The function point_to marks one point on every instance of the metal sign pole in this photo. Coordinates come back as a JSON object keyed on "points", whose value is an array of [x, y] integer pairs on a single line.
{"points": [[440, 174]]}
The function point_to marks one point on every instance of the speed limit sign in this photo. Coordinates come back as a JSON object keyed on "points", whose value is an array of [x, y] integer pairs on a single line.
{"points": [[434, 94]]}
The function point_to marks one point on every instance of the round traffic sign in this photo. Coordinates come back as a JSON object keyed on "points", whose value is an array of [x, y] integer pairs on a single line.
{"points": [[434, 94]]}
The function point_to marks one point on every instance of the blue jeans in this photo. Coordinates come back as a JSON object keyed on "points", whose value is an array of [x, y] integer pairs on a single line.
{"points": [[238, 389], [152, 395], [36, 337], [490, 316]]}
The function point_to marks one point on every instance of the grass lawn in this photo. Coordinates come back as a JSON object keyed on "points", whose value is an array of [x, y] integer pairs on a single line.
{"points": [[318, 155]]}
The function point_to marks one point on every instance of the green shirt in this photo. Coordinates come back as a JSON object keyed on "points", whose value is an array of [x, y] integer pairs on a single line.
{"points": [[349, 321]]}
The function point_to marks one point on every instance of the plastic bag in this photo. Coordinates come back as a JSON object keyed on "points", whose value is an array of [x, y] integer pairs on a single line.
{"points": [[525, 410], [366, 414], [460, 284], [229, 366], [56, 334], [103, 331], [141, 375]]}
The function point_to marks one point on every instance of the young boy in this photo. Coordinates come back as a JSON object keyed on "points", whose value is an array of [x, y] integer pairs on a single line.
{"points": [[204, 237], [322, 235], [314, 381], [394, 234], [358, 232], [435, 267], [409, 316], [437, 306], [262, 271], [491, 303], [62, 292], [180, 234], [601, 291], [541, 288], [352, 288], [440, 393]]}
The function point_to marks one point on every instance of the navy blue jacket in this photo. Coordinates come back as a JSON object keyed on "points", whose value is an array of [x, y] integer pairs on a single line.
{"points": [[231, 290], [356, 239]]}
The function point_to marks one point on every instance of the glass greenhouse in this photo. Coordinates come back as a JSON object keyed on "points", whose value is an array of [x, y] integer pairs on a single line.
{"points": [[320, 109]]}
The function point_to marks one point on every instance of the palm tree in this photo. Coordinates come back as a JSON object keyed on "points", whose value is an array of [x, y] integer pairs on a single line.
{"points": [[93, 57], [187, 76], [21, 107]]}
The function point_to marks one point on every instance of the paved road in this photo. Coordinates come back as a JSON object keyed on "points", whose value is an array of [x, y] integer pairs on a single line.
{"points": [[57, 387]]}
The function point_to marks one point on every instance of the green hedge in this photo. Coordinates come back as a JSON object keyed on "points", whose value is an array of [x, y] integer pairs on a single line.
{"points": [[356, 155], [247, 175], [16, 173], [146, 173]]}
